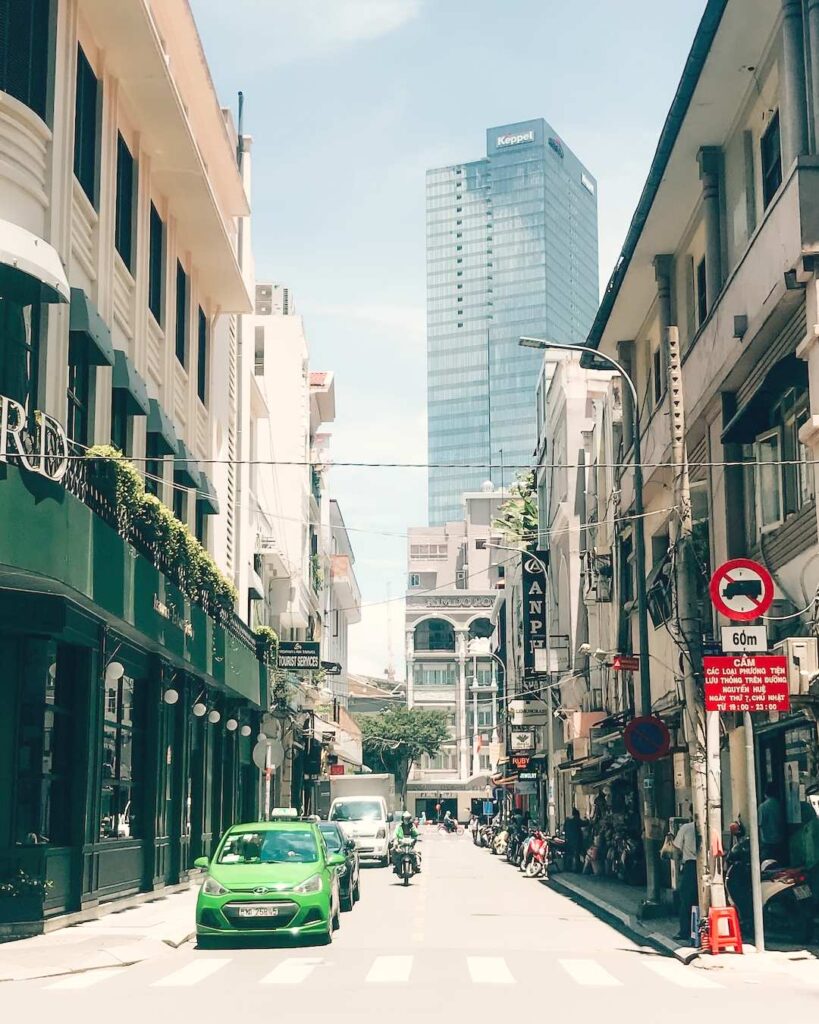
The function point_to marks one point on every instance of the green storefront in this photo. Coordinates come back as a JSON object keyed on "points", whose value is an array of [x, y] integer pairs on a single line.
{"points": [[130, 712]]}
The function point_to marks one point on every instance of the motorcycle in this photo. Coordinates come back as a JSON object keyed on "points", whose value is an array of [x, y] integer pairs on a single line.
{"points": [[787, 898], [533, 861], [514, 848], [500, 843], [451, 827], [406, 860]]}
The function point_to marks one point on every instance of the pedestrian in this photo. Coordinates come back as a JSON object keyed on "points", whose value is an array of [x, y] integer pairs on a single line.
{"points": [[573, 834], [473, 827], [771, 825], [685, 843]]}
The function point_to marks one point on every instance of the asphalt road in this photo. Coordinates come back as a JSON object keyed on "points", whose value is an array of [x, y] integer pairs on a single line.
{"points": [[469, 939]]}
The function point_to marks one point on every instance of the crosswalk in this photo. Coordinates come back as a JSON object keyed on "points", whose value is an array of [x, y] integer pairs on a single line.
{"points": [[384, 970]]}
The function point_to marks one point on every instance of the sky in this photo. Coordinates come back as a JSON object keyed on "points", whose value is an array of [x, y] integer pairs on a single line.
{"points": [[349, 102]]}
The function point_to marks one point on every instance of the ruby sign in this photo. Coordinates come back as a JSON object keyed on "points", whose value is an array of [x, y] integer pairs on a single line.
{"points": [[757, 682], [742, 590]]}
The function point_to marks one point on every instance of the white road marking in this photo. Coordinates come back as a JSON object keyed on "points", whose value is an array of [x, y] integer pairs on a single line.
{"points": [[191, 974], [489, 970], [390, 969], [685, 977], [588, 972], [292, 972], [86, 980]]}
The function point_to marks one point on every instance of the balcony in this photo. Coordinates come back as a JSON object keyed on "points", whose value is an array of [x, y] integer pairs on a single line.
{"points": [[345, 586], [267, 546]]}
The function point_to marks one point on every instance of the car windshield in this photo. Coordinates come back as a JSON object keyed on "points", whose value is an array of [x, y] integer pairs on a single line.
{"points": [[332, 839], [357, 810], [278, 847]]}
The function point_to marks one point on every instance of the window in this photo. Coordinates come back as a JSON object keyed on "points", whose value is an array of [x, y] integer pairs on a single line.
{"points": [[120, 420], [769, 485], [702, 293], [86, 128], [657, 373], [120, 808], [259, 351], [180, 503], [45, 753], [79, 394], [181, 314], [126, 184], [25, 51], [202, 359], [434, 675], [415, 579], [19, 352], [156, 262], [153, 464], [200, 527], [770, 152], [434, 635]]}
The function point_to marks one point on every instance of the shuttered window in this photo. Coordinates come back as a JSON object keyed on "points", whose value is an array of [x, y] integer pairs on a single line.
{"points": [[181, 314], [156, 265], [126, 180], [25, 51], [202, 359], [86, 128]]}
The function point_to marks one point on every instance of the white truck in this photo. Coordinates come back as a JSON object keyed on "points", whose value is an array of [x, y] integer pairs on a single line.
{"points": [[364, 806]]}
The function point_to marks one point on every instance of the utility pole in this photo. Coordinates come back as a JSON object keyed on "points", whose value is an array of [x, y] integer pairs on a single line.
{"points": [[705, 783]]}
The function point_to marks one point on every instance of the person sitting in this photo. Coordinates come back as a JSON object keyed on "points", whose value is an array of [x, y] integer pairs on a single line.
{"points": [[405, 831]]}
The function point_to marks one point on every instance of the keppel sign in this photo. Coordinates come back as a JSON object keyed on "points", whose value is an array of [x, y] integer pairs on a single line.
{"points": [[512, 139], [749, 683]]}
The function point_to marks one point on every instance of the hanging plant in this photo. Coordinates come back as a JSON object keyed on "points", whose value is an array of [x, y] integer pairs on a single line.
{"points": [[267, 644]]}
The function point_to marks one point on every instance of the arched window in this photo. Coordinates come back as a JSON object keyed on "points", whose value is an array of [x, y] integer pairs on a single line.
{"points": [[480, 629], [434, 635]]}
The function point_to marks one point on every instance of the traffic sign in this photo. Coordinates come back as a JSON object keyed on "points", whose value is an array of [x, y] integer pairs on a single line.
{"points": [[647, 738], [747, 683], [742, 589], [744, 639], [625, 663]]}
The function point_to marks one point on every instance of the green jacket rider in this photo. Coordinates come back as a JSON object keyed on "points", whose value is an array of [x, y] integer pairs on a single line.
{"points": [[406, 830]]}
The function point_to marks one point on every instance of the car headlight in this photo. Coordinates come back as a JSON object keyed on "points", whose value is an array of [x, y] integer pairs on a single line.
{"points": [[311, 885], [213, 888], [381, 834]]}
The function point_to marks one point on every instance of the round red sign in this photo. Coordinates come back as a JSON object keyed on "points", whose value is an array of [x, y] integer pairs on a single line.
{"points": [[647, 738], [742, 589]]}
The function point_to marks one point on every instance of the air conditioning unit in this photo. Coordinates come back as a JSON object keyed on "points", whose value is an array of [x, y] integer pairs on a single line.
{"points": [[803, 661]]}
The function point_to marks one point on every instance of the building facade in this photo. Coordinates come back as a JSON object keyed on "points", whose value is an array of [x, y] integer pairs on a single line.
{"points": [[454, 576], [133, 688], [511, 251]]}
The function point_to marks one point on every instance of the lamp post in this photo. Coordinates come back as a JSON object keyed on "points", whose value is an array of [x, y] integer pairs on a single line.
{"points": [[644, 702], [547, 692]]}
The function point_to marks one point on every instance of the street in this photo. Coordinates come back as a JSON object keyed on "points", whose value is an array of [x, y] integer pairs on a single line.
{"points": [[467, 934]]}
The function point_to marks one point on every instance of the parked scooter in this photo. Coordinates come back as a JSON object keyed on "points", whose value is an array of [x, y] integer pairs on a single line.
{"points": [[500, 842], [787, 898], [514, 849], [534, 856]]}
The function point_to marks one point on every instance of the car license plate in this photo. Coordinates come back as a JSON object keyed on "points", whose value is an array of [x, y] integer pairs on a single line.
{"points": [[802, 892], [269, 911]]}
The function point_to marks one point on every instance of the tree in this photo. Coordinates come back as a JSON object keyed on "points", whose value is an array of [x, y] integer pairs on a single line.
{"points": [[517, 517], [395, 739]]}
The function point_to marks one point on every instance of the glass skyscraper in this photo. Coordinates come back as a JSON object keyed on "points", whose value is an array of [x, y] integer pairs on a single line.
{"points": [[511, 251]]}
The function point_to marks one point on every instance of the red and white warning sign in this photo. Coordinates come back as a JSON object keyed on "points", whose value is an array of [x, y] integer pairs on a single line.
{"points": [[756, 682], [742, 589]]}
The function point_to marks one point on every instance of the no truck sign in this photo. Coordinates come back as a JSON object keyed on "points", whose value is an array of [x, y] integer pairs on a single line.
{"points": [[742, 589]]}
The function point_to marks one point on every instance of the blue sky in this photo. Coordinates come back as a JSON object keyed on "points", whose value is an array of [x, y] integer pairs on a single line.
{"points": [[349, 102]]}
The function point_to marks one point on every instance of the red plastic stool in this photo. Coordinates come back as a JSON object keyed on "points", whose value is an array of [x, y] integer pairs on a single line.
{"points": [[723, 926]]}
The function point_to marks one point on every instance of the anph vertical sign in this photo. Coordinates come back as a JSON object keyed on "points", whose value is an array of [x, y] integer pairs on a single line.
{"points": [[535, 633]]}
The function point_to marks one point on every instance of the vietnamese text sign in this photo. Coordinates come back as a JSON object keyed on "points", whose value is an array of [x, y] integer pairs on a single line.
{"points": [[299, 654], [749, 683]]}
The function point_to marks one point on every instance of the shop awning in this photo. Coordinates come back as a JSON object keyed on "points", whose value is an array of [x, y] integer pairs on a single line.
{"points": [[31, 270], [599, 775], [128, 380], [159, 423], [206, 496], [184, 467], [87, 326]]}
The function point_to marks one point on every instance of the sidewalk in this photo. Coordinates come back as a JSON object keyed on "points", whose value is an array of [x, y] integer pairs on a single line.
{"points": [[622, 903], [117, 939]]}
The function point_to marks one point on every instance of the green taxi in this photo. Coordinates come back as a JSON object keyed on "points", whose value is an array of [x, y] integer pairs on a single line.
{"points": [[270, 878]]}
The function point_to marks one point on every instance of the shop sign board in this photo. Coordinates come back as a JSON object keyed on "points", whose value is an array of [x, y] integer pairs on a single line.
{"points": [[744, 639], [626, 663], [530, 712], [336, 769], [746, 683], [528, 776], [299, 654], [522, 761], [535, 633], [521, 741], [741, 589]]}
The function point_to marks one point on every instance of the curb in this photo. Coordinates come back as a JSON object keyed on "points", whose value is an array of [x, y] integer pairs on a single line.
{"points": [[628, 923]]}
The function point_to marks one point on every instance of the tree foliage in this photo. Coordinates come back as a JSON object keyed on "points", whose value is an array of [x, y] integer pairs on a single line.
{"points": [[395, 739], [517, 517]]}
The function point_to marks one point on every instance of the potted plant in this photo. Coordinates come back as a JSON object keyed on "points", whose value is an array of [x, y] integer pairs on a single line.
{"points": [[21, 897]]}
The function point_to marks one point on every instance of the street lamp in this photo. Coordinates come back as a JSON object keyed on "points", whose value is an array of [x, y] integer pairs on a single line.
{"points": [[644, 704]]}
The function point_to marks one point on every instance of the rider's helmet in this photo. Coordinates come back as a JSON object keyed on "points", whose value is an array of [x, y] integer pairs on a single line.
{"points": [[406, 819]]}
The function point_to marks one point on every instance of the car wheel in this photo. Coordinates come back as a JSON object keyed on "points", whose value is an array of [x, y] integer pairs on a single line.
{"points": [[336, 922], [327, 937], [384, 862], [347, 900], [356, 891]]}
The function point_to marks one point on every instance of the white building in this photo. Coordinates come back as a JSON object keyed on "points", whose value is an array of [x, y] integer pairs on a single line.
{"points": [[342, 602], [454, 576]]}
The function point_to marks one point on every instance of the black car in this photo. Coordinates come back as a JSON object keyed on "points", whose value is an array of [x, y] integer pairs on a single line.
{"points": [[349, 879]]}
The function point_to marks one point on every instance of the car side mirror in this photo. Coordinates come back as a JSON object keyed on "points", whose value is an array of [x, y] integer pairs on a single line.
{"points": [[350, 845], [201, 862], [335, 860]]}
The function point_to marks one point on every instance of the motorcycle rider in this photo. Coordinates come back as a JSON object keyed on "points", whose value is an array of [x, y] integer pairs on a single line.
{"points": [[406, 830], [449, 823]]}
